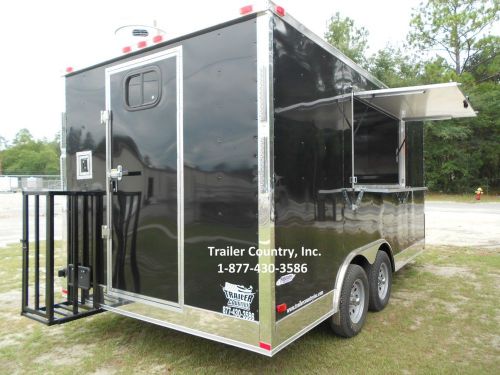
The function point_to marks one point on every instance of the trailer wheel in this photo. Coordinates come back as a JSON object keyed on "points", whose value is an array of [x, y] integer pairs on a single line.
{"points": [[380, 279], [353, 304]]}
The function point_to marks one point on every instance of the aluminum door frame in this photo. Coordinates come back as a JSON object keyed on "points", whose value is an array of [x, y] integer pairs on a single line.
{"points": [[175, 52]]}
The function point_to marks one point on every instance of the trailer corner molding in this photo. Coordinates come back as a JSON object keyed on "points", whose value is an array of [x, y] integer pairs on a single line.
{"points": [[243, 183]]}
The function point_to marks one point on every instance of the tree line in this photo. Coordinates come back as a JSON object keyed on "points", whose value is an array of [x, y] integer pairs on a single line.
{"points": [[449, 40], [27, 156]]}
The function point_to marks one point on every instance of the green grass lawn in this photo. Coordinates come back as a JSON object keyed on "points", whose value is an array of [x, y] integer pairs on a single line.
{"points": [[444, 317]]}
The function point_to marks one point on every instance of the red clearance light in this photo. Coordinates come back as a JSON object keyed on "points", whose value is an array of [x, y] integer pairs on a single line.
{"points": [[69, 69], [281, 308], [280, 10], [246, 9], [142, 44], [263, 345], [157, 39], [126, 49]]}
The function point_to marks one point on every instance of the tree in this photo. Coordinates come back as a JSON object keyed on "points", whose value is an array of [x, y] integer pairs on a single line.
{"points": [[436, 70], [22, 137], [453, 26], [3, 143], [395, 68], [349, 39], [485, 65], [29, 156], [463, 154]]}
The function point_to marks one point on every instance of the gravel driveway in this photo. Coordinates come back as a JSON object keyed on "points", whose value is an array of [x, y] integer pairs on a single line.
{"points": [[462, 224]]}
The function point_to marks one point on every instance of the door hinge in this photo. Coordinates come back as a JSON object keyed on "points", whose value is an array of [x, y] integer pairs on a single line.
{"points": [[104, 231], [353, 180], [105, 117]]}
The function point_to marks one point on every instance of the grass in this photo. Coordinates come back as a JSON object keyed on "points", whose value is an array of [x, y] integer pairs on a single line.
{"points": [[443, 317], [462, 198]]}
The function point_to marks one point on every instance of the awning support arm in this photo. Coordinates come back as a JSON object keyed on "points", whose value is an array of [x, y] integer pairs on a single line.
{"points": [[343, 114], [398, 151]]}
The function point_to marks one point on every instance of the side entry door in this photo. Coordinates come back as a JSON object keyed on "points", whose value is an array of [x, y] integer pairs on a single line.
{"points": [[145, 184]]}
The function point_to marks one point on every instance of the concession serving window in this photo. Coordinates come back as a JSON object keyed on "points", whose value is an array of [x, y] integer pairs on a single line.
{"points": [[376, 141], [379, 119]]}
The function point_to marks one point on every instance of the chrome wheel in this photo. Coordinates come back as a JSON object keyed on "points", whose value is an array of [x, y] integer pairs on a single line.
{"points": [[383, 284], [357, 301]]}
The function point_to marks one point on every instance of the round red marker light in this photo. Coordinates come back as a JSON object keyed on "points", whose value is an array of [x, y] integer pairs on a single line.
{"points": [[246, 9]]}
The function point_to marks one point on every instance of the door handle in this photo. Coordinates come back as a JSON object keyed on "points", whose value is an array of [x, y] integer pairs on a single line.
{"points": [[119, 172]]}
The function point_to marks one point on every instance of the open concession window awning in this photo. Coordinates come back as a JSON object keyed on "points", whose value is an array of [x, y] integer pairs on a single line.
{"points": [[417, 103]]}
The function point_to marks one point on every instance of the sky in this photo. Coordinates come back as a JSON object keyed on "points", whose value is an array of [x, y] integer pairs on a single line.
{"points": [[41, 38]]}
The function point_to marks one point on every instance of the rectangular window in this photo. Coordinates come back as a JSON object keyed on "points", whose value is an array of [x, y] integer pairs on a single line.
{"points": [[142, 88], [376, 138]]}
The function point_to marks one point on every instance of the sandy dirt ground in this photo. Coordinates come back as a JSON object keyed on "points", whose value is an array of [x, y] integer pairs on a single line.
{"points": [[462, 224], [447, 223]]}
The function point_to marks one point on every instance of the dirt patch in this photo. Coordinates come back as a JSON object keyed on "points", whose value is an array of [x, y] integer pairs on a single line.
{"points": [[449, 271], [495, 342], [407, 297], [10, 298], [451, 307], [416, 324], [12, 340], [104, 371], [65, 357]]}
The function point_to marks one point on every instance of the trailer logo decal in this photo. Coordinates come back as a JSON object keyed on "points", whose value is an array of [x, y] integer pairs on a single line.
{"points": [[285, 279], [238, 296]]}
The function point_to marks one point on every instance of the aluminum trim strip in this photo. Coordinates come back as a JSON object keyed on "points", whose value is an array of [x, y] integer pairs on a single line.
{"points": [[129, 296], [403, 90], [377, 189], [302, 332], [309, 305], [191, 331], [265, 110], [256, 322], [353, 175], [399, 261], [402, 154]]}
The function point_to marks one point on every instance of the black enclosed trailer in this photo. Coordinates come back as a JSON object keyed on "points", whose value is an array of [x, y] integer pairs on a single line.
{"points": [[248, 182]]}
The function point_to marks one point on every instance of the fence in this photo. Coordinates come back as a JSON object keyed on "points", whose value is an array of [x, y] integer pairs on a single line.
{"points": [[12, 183]]}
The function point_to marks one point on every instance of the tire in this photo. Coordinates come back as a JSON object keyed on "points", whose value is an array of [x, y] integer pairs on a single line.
{"points": [[380, 279], [350, 318]]}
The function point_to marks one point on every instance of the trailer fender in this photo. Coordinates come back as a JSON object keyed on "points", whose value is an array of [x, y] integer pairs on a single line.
{"points": [[364, 254]]}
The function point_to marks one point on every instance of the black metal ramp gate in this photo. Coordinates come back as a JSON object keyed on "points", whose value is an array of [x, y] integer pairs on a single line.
{"points": [[84, 248]]}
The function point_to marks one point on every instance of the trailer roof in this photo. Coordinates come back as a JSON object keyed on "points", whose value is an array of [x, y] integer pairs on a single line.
{"points": [[253, 11], [417, 103]]}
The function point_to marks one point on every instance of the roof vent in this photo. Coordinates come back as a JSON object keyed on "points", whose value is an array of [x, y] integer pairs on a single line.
{"points": [[140, 32]]}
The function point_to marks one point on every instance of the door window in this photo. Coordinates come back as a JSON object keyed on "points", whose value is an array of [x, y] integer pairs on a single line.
{"points": [[142, 89]]}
